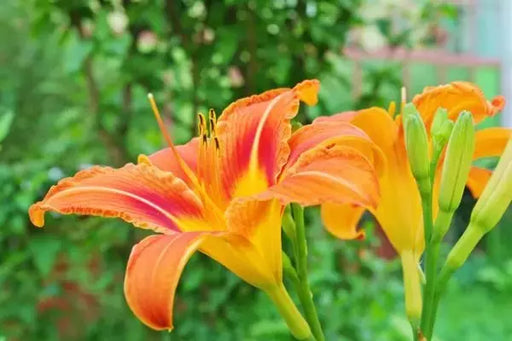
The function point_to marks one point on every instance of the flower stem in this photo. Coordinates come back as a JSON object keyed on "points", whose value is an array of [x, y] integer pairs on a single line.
{"points": [[412, 288], [430, 255], [442, 223], [303, 290], [296, 323]]}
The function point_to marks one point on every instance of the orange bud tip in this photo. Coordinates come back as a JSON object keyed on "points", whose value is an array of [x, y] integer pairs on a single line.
{"points": [[36, 215]]}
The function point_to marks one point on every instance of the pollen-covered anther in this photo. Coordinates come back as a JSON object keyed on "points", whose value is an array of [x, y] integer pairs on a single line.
{"points": [[217, 143], [212, 115], [201, 127], [212, 128]]}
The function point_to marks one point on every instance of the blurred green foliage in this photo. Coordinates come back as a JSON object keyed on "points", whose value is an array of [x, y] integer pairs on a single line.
{"points": [[74, 76]]}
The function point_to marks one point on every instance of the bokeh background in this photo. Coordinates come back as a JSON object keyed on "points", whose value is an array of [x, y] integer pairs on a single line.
{"points": [[73, 78]]}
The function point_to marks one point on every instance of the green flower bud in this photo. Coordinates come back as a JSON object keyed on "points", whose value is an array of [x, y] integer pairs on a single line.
{"points": [[440, 130], [457, 163], [496, 196], [440, 117], [416, 143], [487, 212], [288, 224]]}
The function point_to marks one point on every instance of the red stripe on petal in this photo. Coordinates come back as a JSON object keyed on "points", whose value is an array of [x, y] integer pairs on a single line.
{"points": [[140, 194]]}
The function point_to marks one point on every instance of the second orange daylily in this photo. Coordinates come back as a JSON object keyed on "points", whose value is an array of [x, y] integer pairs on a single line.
{"points": [[399, 211], [223, 193]]}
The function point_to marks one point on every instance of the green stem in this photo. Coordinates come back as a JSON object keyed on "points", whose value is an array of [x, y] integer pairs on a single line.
{"points": [[430, 256], [303, 290], [457, 256], [441, 225], [296, 323]]}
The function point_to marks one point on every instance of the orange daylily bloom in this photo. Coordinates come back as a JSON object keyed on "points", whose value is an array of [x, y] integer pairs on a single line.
{"points": [[399, 211], [223, 193]]}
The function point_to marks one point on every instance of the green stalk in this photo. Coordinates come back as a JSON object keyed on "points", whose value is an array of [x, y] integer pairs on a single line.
{"points": [[296, 323], [442, 223], [303, 289], [432, 246]]}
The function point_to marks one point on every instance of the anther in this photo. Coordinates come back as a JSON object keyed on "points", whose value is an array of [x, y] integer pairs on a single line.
{"points": [[217, 143], [212, 115], [212, 127]]}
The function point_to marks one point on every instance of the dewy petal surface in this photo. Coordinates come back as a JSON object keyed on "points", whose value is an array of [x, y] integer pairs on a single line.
{"points": [[152, 274], [139, 194], [253, 134]]}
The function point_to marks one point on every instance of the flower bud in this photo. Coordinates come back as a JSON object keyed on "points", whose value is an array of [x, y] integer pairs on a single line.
{"points": [[416, 143], [440, 130], [288, 224], [497, 195], [457, 163], [488, 210]]}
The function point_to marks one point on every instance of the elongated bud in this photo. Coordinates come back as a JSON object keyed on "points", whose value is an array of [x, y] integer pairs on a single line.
{"points": [[487, 212], [457, 163], [416, 142], [497, 195], [440, 130], [288, 224]]}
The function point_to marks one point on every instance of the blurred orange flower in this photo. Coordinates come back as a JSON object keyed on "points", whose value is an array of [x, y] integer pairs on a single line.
{"points": [[399, 210]]}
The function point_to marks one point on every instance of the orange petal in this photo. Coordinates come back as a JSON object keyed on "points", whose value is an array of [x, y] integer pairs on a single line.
{"points": [[329, 173], [253, 134], [152, 274], [339, 132], [341, 220], [139, 194], [375, 122], [491, 142], [260, 223], [165, 159], [399, 212], [455, 97], [477, 180]]}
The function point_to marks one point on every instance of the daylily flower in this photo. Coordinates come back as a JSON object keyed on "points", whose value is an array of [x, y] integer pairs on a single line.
{"points": [[399, 211], [224, 193]]}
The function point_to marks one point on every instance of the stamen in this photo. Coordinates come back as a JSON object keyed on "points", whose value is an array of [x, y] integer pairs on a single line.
{"points": [[212, 115], [161, 124], [186, 169], [202, 120], [212, 128], [201, 125], [202, 128]]}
